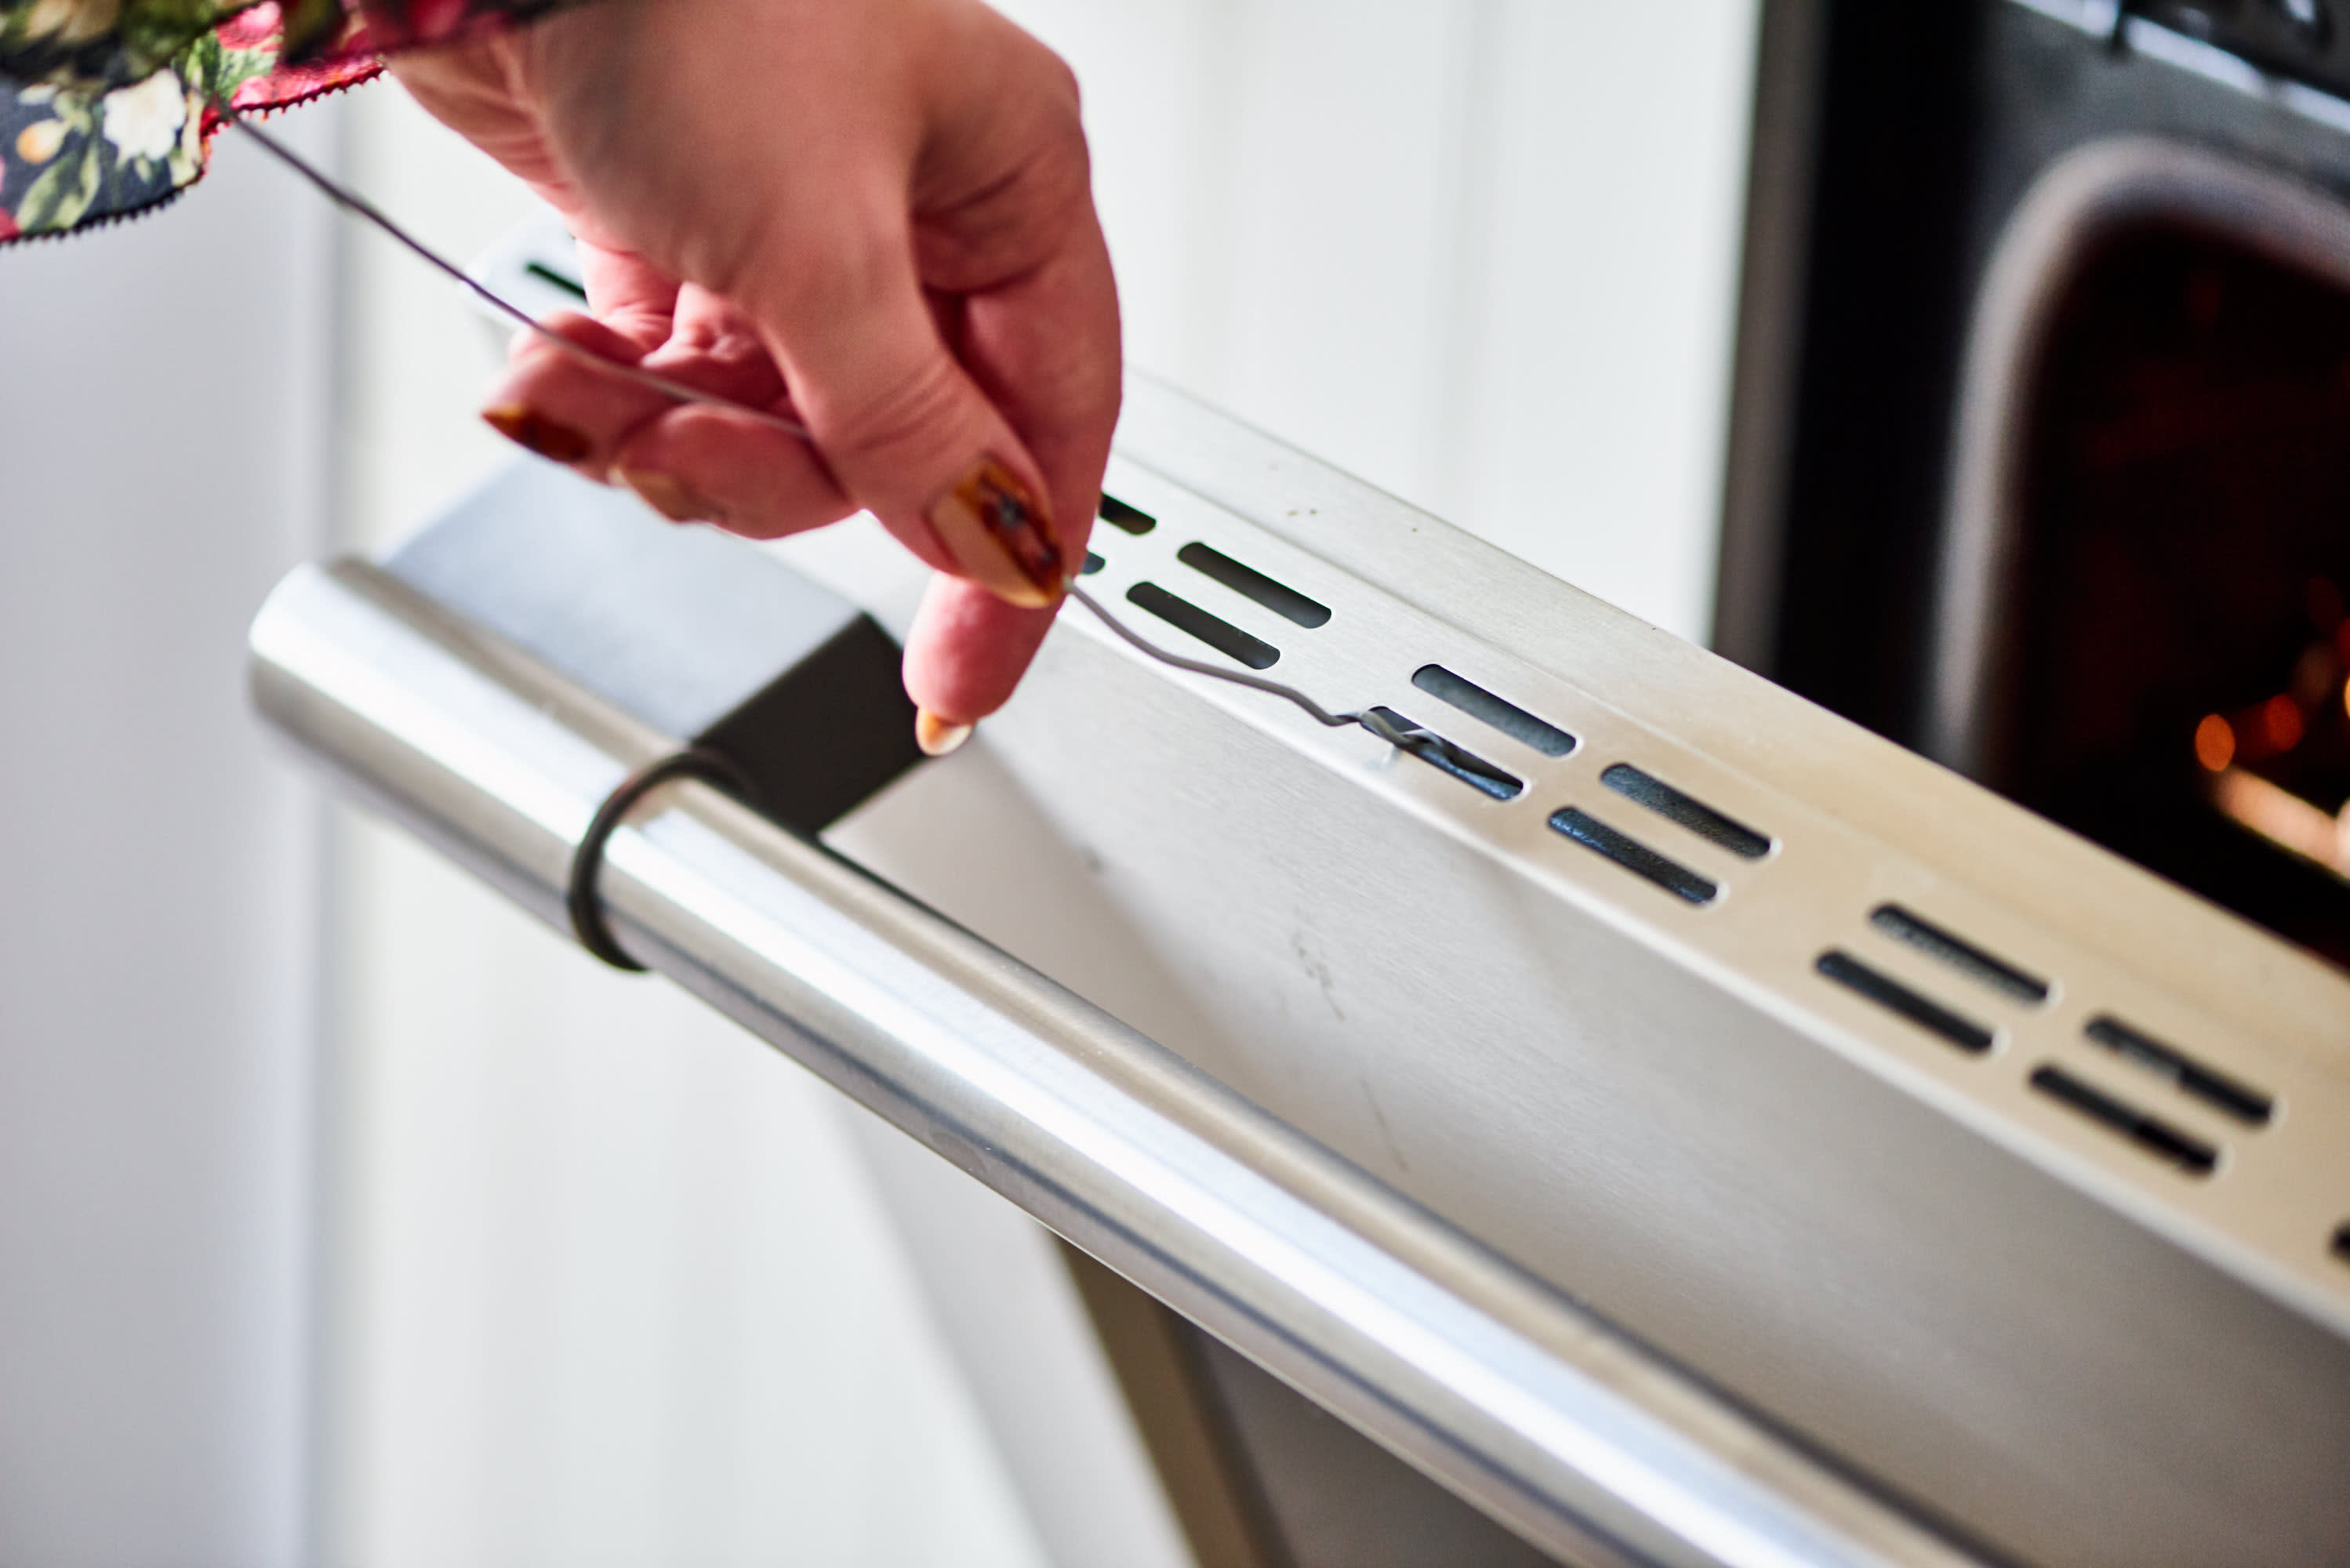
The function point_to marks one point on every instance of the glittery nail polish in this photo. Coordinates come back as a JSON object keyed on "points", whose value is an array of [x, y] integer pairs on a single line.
{"points": [[1000, 535]]}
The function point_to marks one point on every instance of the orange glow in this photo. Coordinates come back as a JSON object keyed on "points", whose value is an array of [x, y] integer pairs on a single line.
{"points": [[2284, 819], [2281, 724], [2215, 742]]}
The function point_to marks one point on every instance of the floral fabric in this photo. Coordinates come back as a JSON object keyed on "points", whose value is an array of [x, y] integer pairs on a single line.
{"points": [[107, 108]]}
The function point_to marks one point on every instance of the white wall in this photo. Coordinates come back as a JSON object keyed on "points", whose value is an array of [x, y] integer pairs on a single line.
{"points": [[1482, 253], [615, 1289], [164, 391]]}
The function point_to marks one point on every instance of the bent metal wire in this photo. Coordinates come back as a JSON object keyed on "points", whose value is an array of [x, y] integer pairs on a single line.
{"points": [[1409, 738], [353, 202]]}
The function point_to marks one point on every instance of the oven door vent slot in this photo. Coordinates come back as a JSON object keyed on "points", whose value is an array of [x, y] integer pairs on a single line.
{"points": [[1633, 856], [1686, 811], [1447, 758], [1894, 997], [2149, 1133], [2342, 1242], [1134, 520], [2188, 1075], [1251, 584], [1958, 954], [1495, 712], [1212, 630], [1093, 563]]}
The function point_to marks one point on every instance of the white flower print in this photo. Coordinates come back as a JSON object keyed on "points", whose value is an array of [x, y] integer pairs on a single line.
{"points": [[144, 122]]}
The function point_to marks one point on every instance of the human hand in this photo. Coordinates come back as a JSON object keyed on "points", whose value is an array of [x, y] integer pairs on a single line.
{"points": [[870, 216]]}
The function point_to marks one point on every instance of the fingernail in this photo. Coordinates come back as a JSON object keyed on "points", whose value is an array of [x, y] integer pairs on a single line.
{"points": [[935, 736], [534, 433], [669, 496], [1000, 535]]}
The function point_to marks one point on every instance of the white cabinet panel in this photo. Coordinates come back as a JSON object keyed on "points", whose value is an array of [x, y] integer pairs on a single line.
{"points": [[1481, 252]]}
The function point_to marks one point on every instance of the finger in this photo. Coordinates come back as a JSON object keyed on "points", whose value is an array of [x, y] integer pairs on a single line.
{"points": [[700, 463], [695, 461], [1045, 347], [907, 432], [575, 411], [965, 653], [565, 409], [713, 345], [630, 294]]}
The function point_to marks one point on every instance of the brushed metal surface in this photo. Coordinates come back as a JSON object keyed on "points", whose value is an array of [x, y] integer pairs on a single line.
{"points": [[2072, 1349], [1503, 1388], [1962, 1289]]}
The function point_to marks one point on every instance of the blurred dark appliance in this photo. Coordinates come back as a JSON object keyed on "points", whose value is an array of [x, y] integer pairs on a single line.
{"points": [[2041, 455]]}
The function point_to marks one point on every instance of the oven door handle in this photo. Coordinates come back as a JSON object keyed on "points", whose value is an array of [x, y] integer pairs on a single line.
{"points": [[1528, 1406]]}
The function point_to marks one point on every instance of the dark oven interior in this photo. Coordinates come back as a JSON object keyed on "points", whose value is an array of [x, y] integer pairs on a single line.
{"points": [[2168, 666], [2181, 640]]}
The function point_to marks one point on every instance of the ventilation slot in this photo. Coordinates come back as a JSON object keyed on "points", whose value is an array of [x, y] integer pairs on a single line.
{"points": [[1633, 856], [1894, 997], [1700, 818], [1217, 633], [2151, 1134], [1251, 584], [1963, 956], [1133, 519], [1487, 708], [554, 279], [1093, 563], [2188, 1075], [1447, 758], [2342, 1242]]}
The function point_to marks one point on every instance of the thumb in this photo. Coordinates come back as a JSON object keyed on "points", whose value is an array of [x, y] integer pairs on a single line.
{"points": [[904, 428]]}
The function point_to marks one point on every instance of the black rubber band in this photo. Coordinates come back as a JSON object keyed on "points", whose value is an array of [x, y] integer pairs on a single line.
{"points": [[579, 899]]}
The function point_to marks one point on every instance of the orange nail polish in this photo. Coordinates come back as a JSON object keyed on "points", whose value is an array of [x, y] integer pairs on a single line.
{"points": [[1000, 535], [534, 433], [935, 736]]}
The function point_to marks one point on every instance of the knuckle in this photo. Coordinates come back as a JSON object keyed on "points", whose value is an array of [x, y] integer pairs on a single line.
{"points": [[1013, 225], [907, 412]]}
